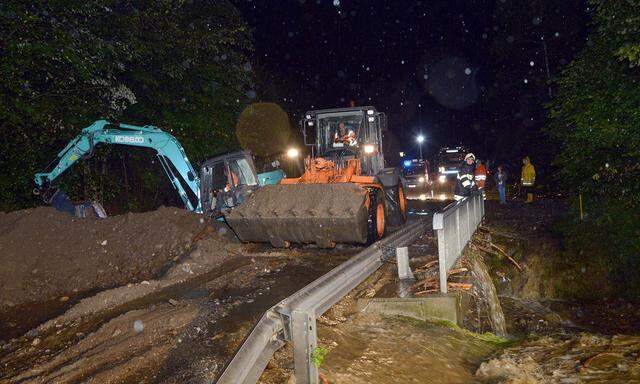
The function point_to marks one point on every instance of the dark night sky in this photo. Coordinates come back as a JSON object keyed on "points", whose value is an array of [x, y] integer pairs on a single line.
{"points": [[454, 70]]}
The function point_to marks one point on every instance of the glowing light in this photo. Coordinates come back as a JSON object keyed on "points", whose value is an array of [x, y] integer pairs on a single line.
{"points": [[420, 139], [293, 153], [369, 149]]}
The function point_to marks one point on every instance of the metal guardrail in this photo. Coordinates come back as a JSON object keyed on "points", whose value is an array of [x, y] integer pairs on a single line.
{"points": [[294, 318], [454, 225]]}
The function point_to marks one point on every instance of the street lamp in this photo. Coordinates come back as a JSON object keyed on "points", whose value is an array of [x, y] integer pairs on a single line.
{"points": [[420, 140]]}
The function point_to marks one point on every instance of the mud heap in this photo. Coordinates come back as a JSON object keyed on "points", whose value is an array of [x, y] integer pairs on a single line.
{"points": [[49, 255]]}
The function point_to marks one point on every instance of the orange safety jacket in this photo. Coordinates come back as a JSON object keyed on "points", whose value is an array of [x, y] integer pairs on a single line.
{"points": [[480, 175]]}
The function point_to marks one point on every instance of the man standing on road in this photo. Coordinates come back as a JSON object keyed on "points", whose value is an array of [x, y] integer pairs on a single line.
{"points": [[501, 182], [528, 178], [465, 183]]}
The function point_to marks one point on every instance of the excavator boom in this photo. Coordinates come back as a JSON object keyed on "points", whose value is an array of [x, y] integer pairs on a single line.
{"points": [[169, 151]]}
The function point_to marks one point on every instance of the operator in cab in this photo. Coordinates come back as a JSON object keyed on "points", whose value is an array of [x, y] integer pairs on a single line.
{"points": [[345, 136]]}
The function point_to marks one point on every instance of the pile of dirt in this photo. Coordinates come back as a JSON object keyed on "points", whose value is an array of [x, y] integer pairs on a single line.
{"points": [[50, 255]]}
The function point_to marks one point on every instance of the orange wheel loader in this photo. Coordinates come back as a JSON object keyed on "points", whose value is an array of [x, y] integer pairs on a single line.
{"points": [[346, 194]]}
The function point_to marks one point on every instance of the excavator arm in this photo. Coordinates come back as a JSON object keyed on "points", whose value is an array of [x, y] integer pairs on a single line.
{"points": [[170, 153]]}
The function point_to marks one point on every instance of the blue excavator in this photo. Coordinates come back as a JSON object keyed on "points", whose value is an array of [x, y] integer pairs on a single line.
{"points": [[223, 182]]}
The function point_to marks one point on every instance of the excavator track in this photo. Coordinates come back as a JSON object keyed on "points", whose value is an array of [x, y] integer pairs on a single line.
{"points": [[324, 214]]}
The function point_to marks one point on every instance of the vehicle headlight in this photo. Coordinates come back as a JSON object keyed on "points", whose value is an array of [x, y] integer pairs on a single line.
{"points": [[293, 153], [442, 179], [369, 149], [421, 180], [423, 197], [441, 169]]}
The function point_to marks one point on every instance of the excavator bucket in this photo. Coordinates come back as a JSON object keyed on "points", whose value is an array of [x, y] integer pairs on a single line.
{"points": [[324, 214]]}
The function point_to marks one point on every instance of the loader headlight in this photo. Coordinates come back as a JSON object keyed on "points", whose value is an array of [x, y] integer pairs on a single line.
{"points": [[369, 149], [441, 169], [293, 153], [421, 180], [442, 179]]}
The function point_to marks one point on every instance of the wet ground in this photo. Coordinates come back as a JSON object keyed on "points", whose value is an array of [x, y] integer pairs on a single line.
{"points": [[192, 327]]}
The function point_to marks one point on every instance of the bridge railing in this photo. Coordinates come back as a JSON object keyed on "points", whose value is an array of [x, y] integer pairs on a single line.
{"points": [[294, 318], [454, 226]]}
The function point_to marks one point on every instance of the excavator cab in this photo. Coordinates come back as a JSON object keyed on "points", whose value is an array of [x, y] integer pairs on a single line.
{"points": [[226, 181]]}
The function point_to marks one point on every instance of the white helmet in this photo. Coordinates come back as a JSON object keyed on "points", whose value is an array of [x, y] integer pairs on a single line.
{"points": [[469, 156]]}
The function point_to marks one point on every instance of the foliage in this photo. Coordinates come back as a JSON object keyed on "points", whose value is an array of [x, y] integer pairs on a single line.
{"points": [[318, 355], [182, 65], [595, 117]]}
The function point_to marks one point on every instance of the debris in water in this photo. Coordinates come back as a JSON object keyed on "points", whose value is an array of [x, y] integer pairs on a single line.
{"points": [[138, 326]]}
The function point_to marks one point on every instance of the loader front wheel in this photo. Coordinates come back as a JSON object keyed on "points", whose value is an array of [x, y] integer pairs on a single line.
{"points": [[396, 205], [376, 219]]}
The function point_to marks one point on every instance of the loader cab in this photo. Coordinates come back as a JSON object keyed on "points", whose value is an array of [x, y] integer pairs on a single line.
{"points": [[345, 133], [226, 181]]}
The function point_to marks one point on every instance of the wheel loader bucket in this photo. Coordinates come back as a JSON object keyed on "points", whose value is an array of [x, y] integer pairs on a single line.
{"points": [[324, 214]]}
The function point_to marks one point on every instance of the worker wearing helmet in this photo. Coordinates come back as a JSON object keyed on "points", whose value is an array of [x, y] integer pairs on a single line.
{"points": [[465, 183], [528, 178]]}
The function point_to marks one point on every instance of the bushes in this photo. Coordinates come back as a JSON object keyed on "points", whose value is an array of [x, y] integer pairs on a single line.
{"points": [[595, 117], [181, 65]]}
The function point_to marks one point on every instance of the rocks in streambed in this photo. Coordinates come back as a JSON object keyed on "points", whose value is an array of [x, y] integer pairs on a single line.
{"points": [[566, 358]]}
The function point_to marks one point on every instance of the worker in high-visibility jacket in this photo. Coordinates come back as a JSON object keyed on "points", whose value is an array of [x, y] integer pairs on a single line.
{"points": [[465, 183], [528, 178], [480, 176]]}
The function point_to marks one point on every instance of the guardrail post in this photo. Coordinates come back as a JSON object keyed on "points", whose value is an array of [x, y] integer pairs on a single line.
{"points": [[305, 342], [402, 260]]}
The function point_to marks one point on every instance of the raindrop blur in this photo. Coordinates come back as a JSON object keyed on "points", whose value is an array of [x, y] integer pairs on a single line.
{"points": [[526, 81], [247, 67], [336, 3], [467, 71], [510, 39], [536, 20], [531, 63]]}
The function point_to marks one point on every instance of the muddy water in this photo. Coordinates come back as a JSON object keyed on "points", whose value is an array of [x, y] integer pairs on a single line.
{"points": [[372, 349]]}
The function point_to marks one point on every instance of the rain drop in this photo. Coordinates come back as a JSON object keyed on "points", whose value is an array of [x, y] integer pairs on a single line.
{"points": [[467, 71]]}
